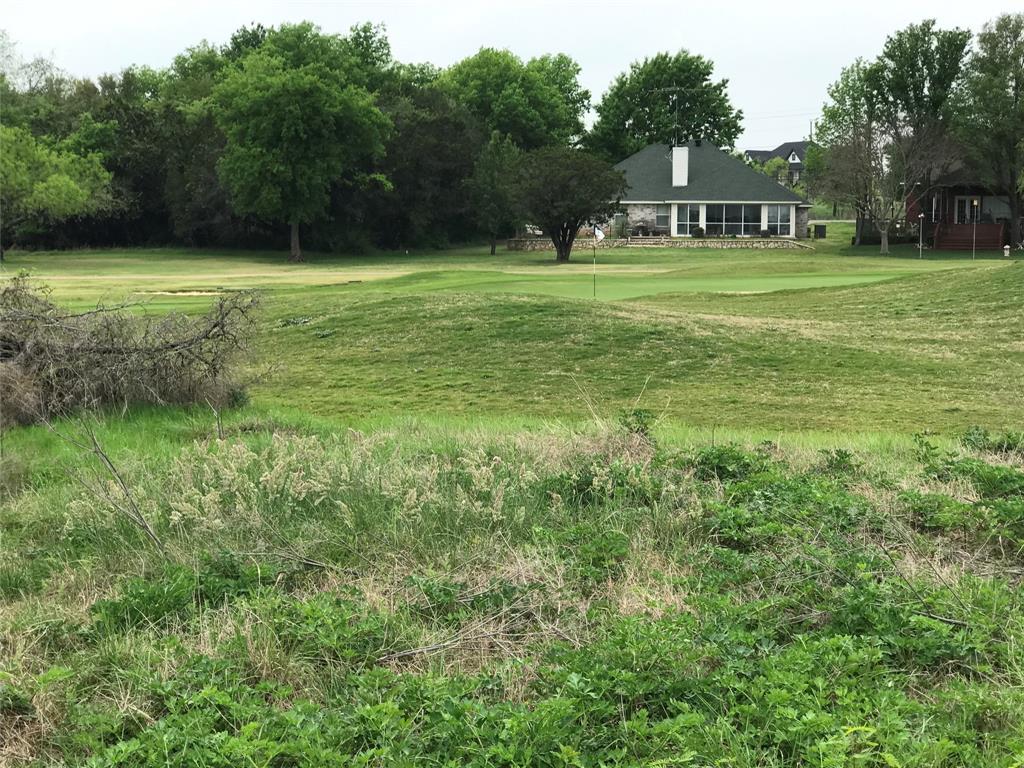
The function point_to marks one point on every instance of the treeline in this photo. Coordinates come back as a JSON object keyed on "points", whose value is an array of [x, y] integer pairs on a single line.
{"points": [[933, 103], [291, 132]]}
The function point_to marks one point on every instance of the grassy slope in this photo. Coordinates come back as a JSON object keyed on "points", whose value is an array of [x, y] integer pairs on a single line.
{"points": [[470, 582], [843, 340], [904, 355]]}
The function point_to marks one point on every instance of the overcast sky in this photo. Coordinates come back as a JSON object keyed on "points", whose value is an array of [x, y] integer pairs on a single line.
{"points": [[778, 57]]}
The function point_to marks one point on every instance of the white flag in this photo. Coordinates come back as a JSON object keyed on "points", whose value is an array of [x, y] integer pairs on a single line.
{"points": [[598, 234]]}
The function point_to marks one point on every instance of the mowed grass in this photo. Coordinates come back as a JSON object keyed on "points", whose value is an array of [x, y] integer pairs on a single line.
{"points": [[831, 339], [497, 565]]}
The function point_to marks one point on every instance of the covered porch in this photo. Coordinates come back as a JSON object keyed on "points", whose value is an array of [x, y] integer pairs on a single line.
{"points": [[963, 216]]}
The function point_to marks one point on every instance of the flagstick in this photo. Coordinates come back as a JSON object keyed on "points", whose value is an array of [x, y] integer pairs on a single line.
{"points": [[595, 267]]}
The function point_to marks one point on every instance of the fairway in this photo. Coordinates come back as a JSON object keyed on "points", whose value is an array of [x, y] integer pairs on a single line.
{"points": [[835, 338], [84, 277]]}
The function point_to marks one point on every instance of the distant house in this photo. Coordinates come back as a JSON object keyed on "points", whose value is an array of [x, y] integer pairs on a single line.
{"points": [[674, 190], [959, 212], [793, 152]]}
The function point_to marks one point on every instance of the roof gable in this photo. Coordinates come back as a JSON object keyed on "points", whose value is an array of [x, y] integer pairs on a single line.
{"points": [[714, 176]]}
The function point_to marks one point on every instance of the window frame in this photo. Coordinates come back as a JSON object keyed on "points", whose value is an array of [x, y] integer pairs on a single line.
{"points": [[667, 227], [687, 218], [774, 226]]}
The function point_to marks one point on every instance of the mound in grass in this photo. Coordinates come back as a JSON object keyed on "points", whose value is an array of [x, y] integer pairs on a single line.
{"points": [[891, 354], [587, 599]]}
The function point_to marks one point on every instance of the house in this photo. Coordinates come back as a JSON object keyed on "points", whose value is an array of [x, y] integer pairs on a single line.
{"points": [[960, 212], [674, 190], [793, 152]]}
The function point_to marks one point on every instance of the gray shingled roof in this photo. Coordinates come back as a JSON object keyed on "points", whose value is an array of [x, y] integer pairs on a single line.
{"points": [[715, 176]]}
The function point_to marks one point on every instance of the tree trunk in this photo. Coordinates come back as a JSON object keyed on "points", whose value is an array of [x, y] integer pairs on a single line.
{"points": [[494, 244], [858, 228], [884, 232], [563, 239], [296, 252]]}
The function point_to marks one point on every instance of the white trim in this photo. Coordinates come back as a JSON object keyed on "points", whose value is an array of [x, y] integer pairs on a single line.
{"points": [[713, 202]]}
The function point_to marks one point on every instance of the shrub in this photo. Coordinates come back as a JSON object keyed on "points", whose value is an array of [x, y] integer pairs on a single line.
{"points": [[638, 421], [979, 439], [697, 232], [726, 462], [766, 233], [839, 462]]}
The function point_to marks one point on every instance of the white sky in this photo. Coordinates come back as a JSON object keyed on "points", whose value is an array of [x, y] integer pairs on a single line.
{"points": [[778, 56]]}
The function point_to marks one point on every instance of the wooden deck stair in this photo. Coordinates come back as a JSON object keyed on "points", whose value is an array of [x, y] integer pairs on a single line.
{"points": [[961, 237]]}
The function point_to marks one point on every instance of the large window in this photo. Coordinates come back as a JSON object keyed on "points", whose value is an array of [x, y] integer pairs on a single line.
{"points": [[715, 217], [687, 218], [778, 220], [733, 219], [663, 218]]}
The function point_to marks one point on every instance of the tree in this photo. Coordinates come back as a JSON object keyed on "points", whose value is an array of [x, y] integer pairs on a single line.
{"points": [[560, 189], [493, 187], [44, 185], [991, 123], [841, 163], [911, 85], [428, 158], [775, 167], [885, 133], [663, 99], [536, 104], [294, 126]]}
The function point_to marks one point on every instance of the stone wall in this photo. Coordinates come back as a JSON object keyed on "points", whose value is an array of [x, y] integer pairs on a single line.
{"points": [[641, 215], [543, 244]]}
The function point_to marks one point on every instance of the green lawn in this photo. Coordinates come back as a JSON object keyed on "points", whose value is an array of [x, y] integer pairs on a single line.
{"points": [[433, 539], [831, 339]]}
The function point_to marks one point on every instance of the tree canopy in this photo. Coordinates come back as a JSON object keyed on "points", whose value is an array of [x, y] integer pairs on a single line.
{"points": [[885, 134], [561, 189], [536, 104], [666, 98], [294, 127], [991, 120], [42, 185]]}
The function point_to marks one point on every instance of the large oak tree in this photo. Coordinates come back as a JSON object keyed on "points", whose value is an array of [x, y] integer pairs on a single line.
{"points": [[664, 99], [294, 127], [536, 104]]}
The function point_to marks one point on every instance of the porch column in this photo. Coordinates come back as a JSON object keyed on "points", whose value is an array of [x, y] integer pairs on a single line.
{"points": [[674, 221], [764, 217], [704, 217]]}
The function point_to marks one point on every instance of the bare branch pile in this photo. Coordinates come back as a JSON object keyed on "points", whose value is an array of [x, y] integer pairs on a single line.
{"points": [[53, 361]]}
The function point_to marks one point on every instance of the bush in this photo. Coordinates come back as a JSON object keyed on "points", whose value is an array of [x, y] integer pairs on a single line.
{"points": [[53, 362], [979, 439], [766, 233], [697, 232]]}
